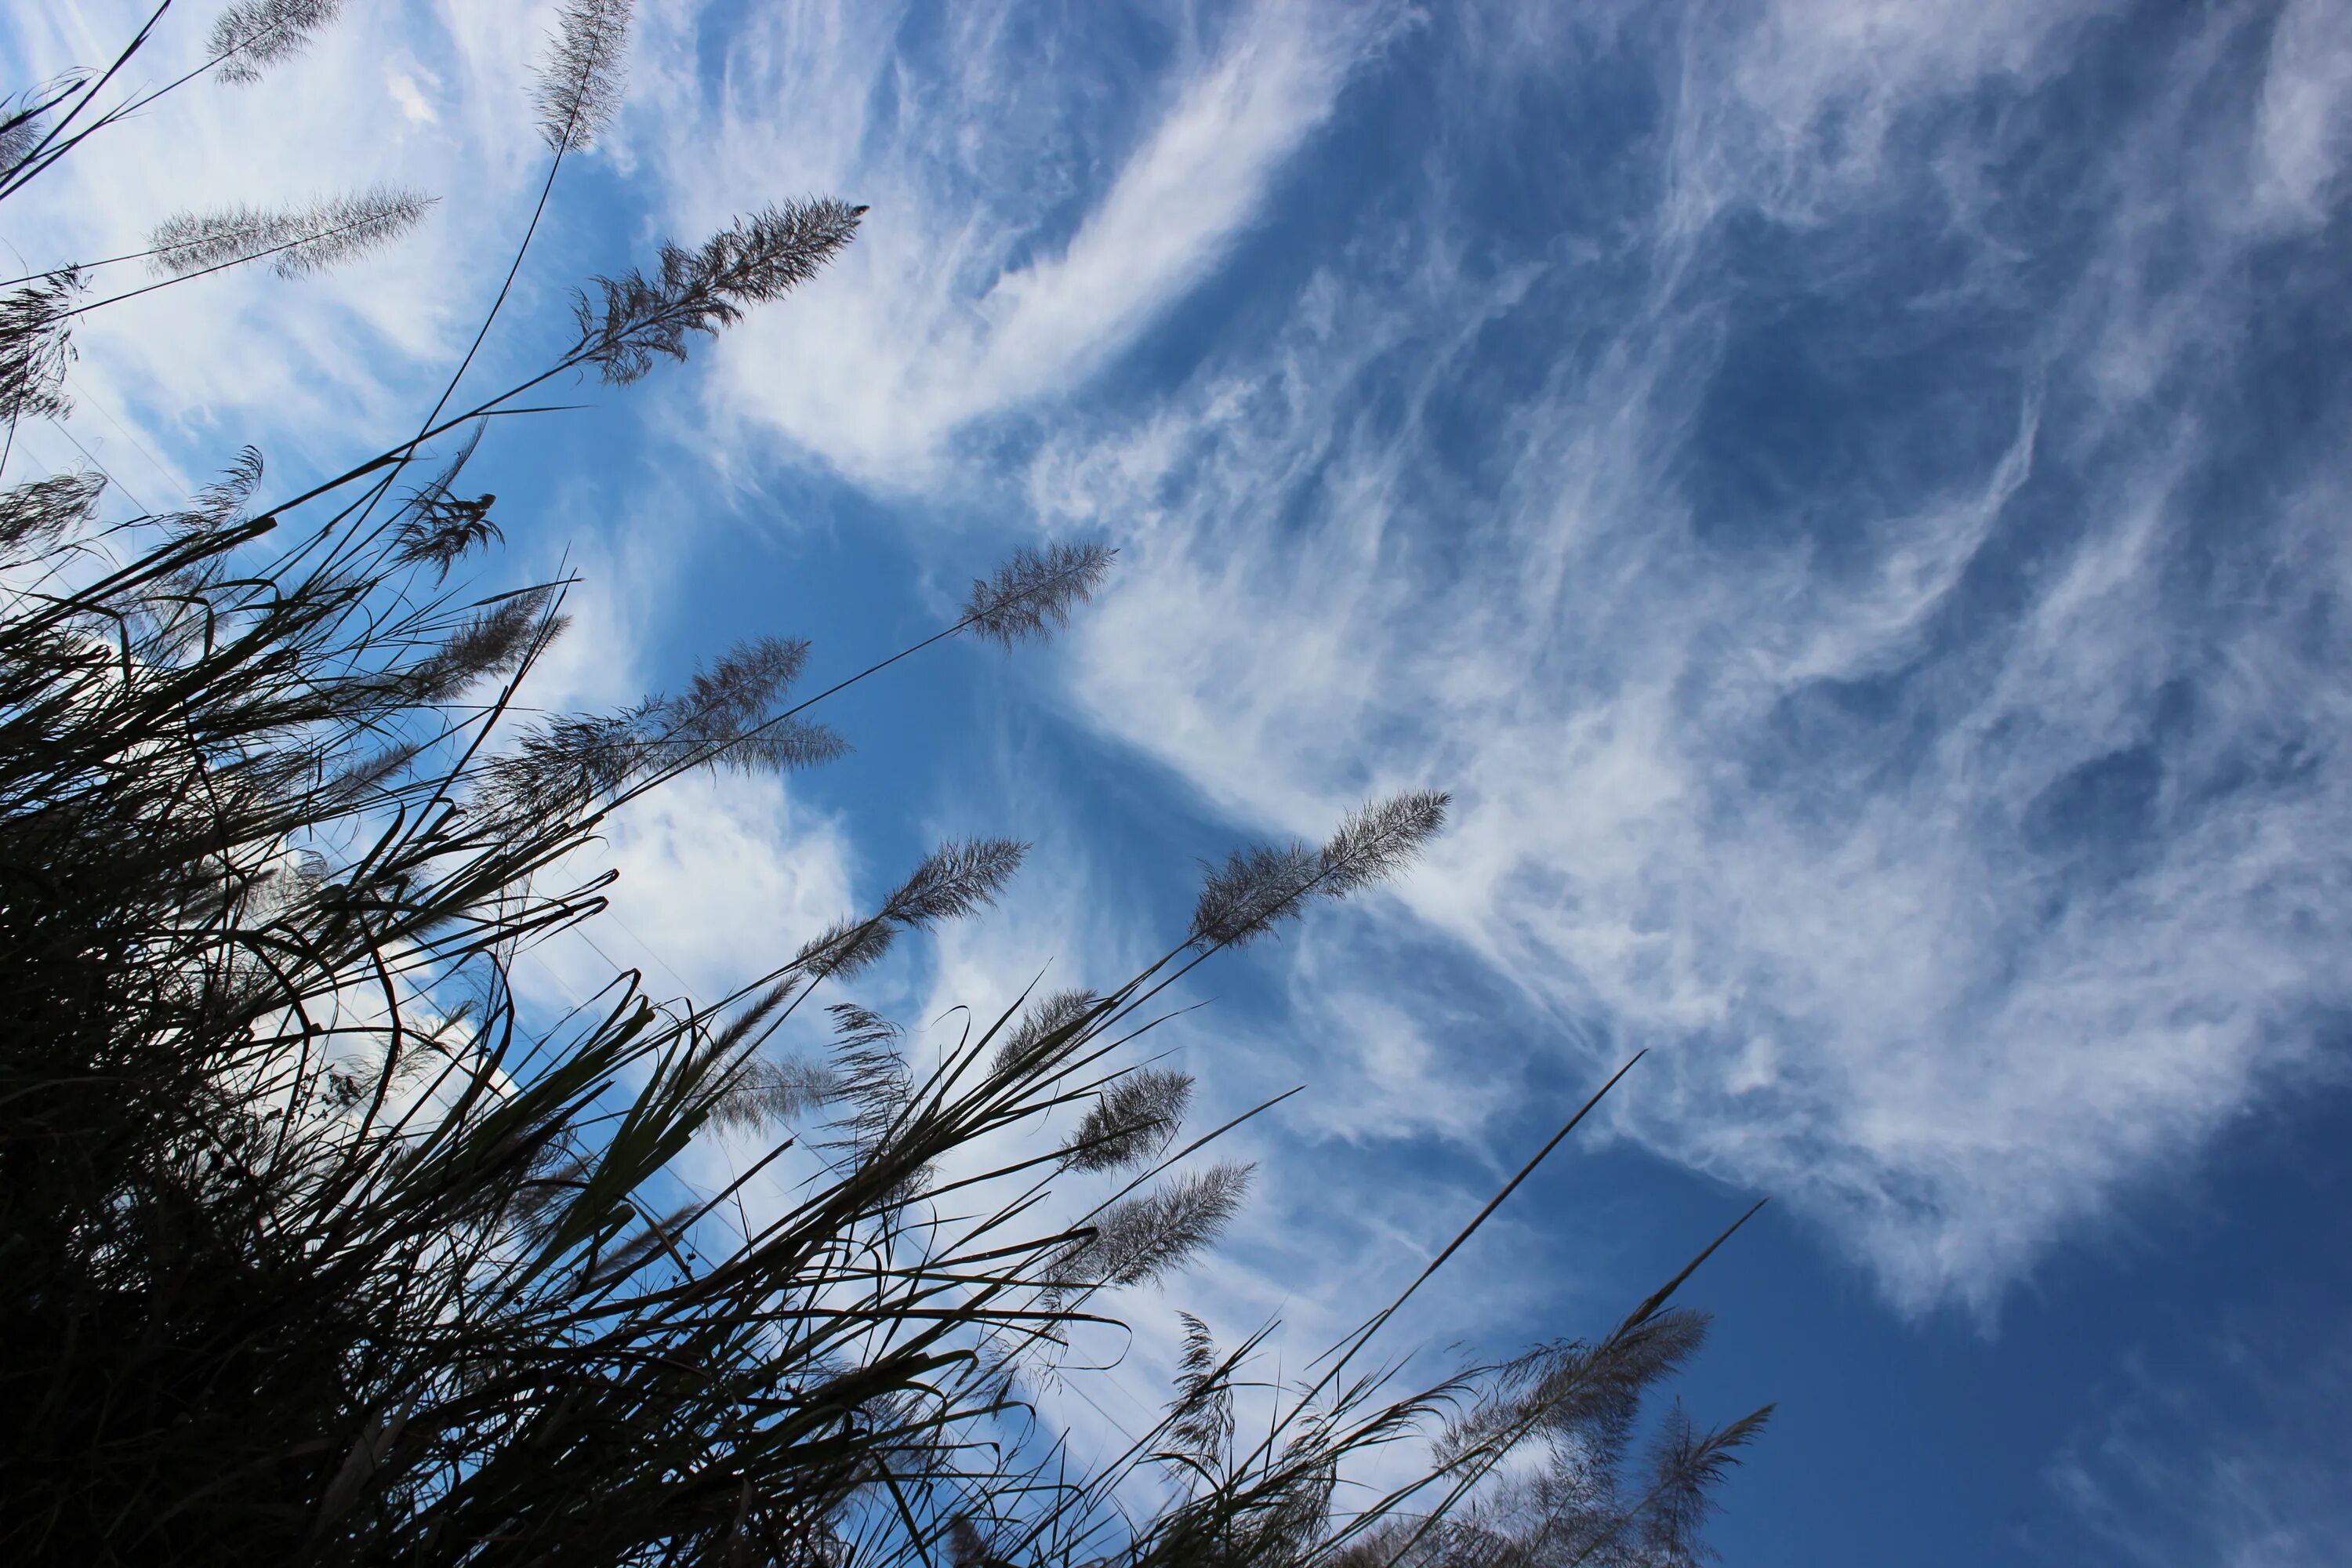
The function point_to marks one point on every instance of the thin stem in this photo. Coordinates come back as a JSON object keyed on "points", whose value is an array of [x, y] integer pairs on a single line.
{"points": [[41, 155]]}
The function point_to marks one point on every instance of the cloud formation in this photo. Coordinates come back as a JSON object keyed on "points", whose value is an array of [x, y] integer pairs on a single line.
{"points": [[1927, 744], [1818, 531], [1027, 224], [432, 98], [1841, 492], [2233, 1455]]}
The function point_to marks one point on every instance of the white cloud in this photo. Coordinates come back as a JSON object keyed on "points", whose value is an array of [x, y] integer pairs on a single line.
{"points": [[406, 91], [972, 289], [717, 880], [1881, 988], [1880, 993], [434, 99], [2305, 117], [720, 879]]}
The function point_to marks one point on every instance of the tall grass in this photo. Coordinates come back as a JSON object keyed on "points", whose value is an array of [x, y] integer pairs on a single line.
{"points": [[320, 1247]]}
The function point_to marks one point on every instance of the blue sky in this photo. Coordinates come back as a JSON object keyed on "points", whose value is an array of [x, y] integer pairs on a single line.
{"points": [[1850, 496]]}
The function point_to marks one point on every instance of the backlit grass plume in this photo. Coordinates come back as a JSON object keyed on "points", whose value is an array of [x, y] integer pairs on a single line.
{"points": [[35, 346], [435, 527], [36, 516], [578, 90], [24, 123], [295, 241], [251, 36], [1033, 595], [632, 320], [1258, 888]]}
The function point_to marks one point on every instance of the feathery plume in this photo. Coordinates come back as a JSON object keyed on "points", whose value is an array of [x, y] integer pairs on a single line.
{"points": [[1577, 1387], [436, 529], [748, 1020], [1687, 1462], [1143, 1238], [1259, 888], [1255, 888], [35, 516], [253, 34], [846, 947], [438, 533], [219, 503], [1050, 1030], [1131, 1121], [36, 345], [25, 120], [651, 1238], [299, 241], [764, 1095], [723, 714], [1374, 842], [365, 777], [1201, 1418], [955, 879], [870, 1079], [754, 262], [1032, 594], [492, 641], [734, 694], [565, 764], [578, 87]]}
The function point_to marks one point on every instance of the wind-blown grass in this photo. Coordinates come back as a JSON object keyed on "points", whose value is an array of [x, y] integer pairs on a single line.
{"points": [[323, 1249]]}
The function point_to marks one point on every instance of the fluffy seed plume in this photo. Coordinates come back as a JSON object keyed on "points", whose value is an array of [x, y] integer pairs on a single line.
{"points": [[1144, 1238], [578, 87], [34, 515], [1685, 1464], [1047, 1033], [253, 34], [846, 947], [1131, 1121], [1032, 594], [36, 345], [1201, 1421], [222, 502], [296, 241], [1257, 888], [25, 121], [765, 1095], [636, 318], [871, 1085], [721, 721], [958, 878], [724, 712], [955, 879], [491, 641]]}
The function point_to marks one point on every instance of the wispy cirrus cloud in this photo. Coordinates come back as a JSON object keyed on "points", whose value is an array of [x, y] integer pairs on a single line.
{"points": [[434, 99], [1869, 675], [1831, 510], [2234, 1454], [1028, 222]]}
